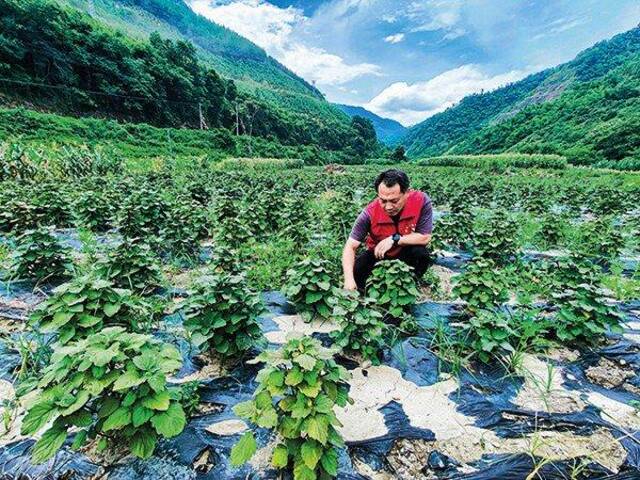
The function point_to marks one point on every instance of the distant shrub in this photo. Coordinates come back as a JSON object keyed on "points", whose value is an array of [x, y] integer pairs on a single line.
{"points": [[629, 163], [260, 164], [498, 162], [381, 161], [31, 162]]}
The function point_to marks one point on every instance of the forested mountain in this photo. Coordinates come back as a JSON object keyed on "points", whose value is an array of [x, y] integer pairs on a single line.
{"points": [[230, 54], [58, 58], [388, 131], [587, 109]]}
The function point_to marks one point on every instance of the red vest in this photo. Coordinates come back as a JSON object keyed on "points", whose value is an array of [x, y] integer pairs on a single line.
{"points": [[382, 225]]}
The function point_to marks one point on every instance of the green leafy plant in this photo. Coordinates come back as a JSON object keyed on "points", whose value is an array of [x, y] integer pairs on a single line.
{"points": [[490, 332], [455, 228], [573, 270], [221, 314], [229, 230], [39, 256], [392, 287], [504, 333], [481, 285], [86, 305], [623, 288], [142, 213], [93, 208], [495, 237], [16, 162], [601, 240], [224, 258], [19, 211], [112, 387], [584, 315], [308, 286], [551, 232], [299, 388], [362, 329], [184, 227], [130, 264]]}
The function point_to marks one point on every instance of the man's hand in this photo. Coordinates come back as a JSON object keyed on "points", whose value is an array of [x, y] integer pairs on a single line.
{"points": [[383, 247], [350, 285]]}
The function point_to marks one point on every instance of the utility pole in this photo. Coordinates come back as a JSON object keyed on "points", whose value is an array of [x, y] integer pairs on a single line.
{"points": [[203, 123]]}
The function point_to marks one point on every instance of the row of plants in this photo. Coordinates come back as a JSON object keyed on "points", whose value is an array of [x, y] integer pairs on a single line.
{"points": [[309, 216], [497, 162]]}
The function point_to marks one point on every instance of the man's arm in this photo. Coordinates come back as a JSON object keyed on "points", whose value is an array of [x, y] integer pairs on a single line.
{"points": [[415, 238], [410, 239], [356, 237], [348, 262]]}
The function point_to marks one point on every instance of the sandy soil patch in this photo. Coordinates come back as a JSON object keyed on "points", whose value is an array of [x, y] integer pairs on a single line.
{"points": [[293, 326], [543, 389], [227, 427]]}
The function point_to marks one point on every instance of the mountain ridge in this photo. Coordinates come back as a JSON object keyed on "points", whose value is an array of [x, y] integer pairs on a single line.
{"points": [[389, 131], [467, 126]]}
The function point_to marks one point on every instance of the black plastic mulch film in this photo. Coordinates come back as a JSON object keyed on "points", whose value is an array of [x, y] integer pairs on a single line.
{"points": [[485, 394]]}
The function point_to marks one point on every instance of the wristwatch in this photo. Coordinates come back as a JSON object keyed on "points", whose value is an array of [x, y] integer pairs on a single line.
{"points": [[396, 238]]}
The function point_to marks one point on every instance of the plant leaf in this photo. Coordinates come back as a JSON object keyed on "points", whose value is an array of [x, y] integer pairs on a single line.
{"points": [[244, 449]]}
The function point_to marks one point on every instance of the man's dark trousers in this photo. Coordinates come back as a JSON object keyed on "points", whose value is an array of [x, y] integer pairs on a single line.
{"points": [[414, 255]]}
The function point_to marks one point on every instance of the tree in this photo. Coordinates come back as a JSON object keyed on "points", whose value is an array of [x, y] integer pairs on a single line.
{"points": [[364, 140], [399, 154]]}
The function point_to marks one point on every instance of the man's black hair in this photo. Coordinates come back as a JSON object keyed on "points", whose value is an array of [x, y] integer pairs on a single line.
{"points": [[392, 177]]}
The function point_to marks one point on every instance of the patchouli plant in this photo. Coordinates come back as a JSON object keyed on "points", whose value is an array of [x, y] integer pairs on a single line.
{"points": [[111, 388], [392, 287], [299, 389]]}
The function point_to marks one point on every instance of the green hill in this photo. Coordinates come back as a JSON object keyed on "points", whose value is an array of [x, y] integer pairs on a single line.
{"points": [[230, 54], [587, 109], [388, 131], [59, 59]]}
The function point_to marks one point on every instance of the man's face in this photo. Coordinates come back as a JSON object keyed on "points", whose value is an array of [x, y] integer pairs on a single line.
{"points": [[391, 198]]}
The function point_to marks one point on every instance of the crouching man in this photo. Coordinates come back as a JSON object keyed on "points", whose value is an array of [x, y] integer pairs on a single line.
{"points": [[396, 225]]}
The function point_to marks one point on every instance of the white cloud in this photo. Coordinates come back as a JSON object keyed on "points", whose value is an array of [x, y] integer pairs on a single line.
{"points": [[324, 68], [434, 15], [259, 21], [397, 38], [274, 29], [412, 103]]}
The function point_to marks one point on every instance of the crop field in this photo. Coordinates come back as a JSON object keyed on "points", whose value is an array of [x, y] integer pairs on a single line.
{"points": [[175, 320]]}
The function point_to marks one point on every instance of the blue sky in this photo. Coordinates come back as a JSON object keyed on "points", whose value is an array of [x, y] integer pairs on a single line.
{"points": [[409, 59]]}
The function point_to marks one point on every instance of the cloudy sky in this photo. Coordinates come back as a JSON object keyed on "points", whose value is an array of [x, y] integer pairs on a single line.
{"points": [[410, 59]]}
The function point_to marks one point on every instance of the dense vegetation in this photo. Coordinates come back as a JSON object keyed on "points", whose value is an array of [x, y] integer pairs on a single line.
{"points": [[229, 53], [46, 133], [587, 109], [104, 374], [268, 85], [159, 81], [496, 162], [62, 60]]}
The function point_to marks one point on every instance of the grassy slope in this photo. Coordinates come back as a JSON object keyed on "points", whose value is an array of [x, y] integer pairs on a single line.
{"points": [[139, 140], [456, 129]]}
